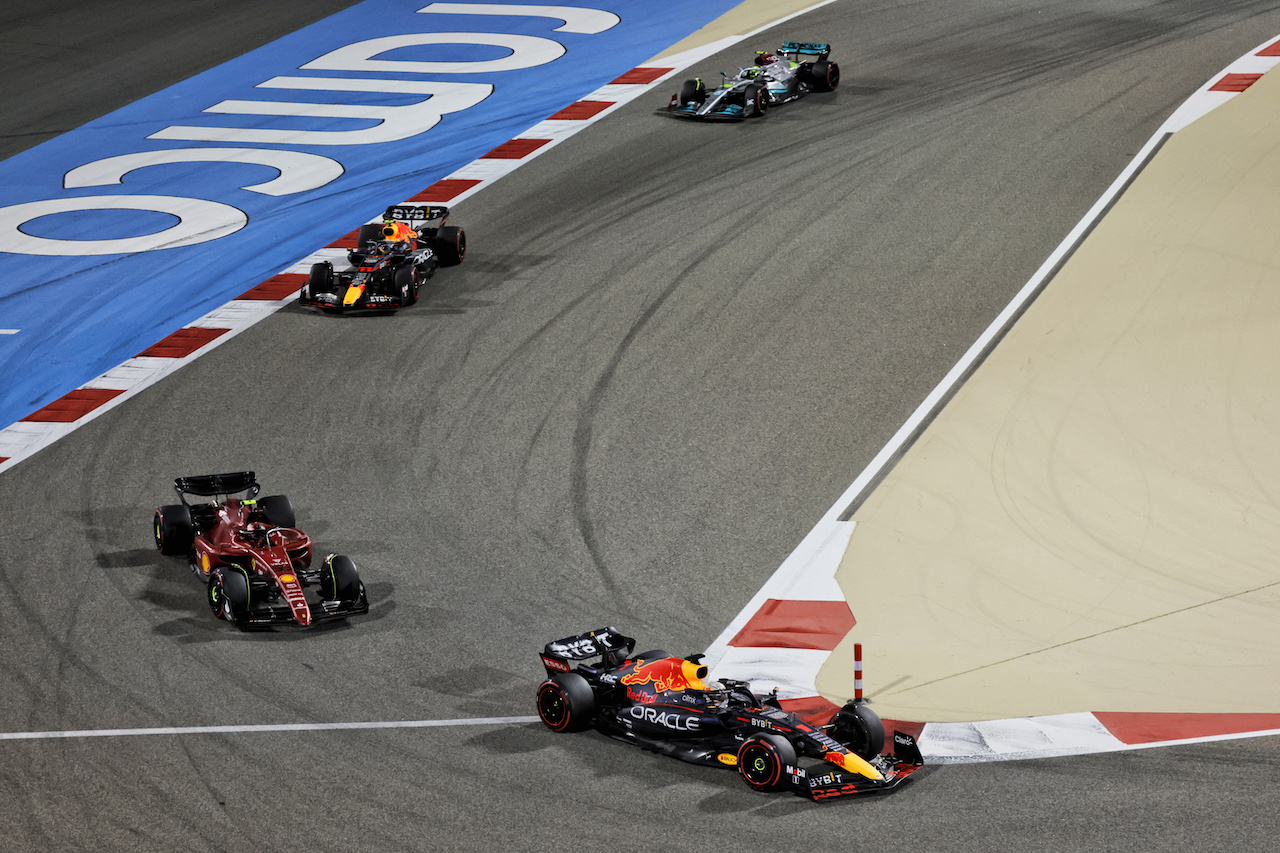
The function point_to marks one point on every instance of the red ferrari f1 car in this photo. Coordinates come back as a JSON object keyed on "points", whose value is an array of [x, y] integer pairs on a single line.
{"points": [[255, 562], [664, 704]]}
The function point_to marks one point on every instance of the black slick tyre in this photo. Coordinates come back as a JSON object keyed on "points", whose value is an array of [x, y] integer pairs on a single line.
{"points": [[321, 278], [278, 511], [367, 236], [825, 75], [756, 101], [566, 703], [450, 245], [406, 283], [653, 654], [763, 760], [692, 91], [339, 580], [228, 594], [173, 530], [859, 728]]}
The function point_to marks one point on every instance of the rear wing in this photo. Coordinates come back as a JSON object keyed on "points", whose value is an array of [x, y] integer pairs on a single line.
{"points": [[213, 485], [602, 643], [417, 213], [806, 48]]}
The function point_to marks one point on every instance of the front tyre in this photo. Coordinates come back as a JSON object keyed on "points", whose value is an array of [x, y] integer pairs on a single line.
{"points": [[340, 581], [756, 100], [321, 279], [228, 594], [859, 728], [763, 760], [692, 91], [566, 702], [406, 283]]}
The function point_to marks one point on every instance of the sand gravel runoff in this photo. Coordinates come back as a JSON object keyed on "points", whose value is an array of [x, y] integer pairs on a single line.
{"points": [[1092, 522]]}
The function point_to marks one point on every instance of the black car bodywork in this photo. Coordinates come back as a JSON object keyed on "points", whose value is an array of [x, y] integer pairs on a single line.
{"points": [[387, 274], [662, 703]]}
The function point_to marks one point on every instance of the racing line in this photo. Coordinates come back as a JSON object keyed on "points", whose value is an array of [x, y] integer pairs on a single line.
{"points": [[803, 590], [42, 428], [749, 645]]}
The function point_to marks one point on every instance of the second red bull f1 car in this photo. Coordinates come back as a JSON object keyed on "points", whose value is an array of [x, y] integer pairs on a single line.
{"points": [[390, 262], [664, 703]]}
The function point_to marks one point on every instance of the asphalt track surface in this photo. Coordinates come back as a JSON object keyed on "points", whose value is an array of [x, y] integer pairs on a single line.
{"points": [[671, 349]]}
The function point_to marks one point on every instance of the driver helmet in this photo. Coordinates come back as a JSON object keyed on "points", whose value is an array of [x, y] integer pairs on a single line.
{"points": [[753, 72]]}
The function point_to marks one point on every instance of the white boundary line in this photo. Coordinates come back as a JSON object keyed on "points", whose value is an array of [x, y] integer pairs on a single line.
{"points": [[281, 727]]}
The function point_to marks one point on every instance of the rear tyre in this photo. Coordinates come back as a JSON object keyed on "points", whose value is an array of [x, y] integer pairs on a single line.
{"points": [[451, 245], [228, 594], [763, 760], [367, 236], [694, 91], [859, 728], [340, 581], [278, 511], [653, 654], [825, 75], [566, 703], [173, 530]]}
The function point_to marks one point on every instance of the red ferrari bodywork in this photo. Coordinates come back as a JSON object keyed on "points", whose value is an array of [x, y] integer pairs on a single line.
{"points": [[279, 552]]}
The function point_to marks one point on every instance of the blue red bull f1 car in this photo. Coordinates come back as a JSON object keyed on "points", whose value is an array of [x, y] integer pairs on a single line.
{"points": [[798, 68], [390, 262], [664, 703]]}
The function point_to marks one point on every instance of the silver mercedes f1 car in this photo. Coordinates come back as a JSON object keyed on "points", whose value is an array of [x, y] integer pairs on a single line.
{"points": [[797, 69]]}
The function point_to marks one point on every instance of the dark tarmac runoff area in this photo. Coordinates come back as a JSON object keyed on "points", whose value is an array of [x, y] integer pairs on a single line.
{"points": [[624, 410]]}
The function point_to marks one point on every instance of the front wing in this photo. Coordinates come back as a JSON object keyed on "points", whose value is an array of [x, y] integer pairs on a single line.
{"points": [[728, 112], [282, 614], [824, 782], [335, 301]]}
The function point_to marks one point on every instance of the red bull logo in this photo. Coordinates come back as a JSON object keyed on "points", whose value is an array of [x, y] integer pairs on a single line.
{"points": [[668, 674]]}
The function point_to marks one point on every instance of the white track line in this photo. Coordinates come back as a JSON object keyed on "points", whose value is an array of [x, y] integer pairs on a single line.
{"points": [[280, 727]]}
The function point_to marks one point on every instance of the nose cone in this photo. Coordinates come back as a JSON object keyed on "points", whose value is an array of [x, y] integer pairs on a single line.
{"points": [[297, 601], [853, 764]]}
